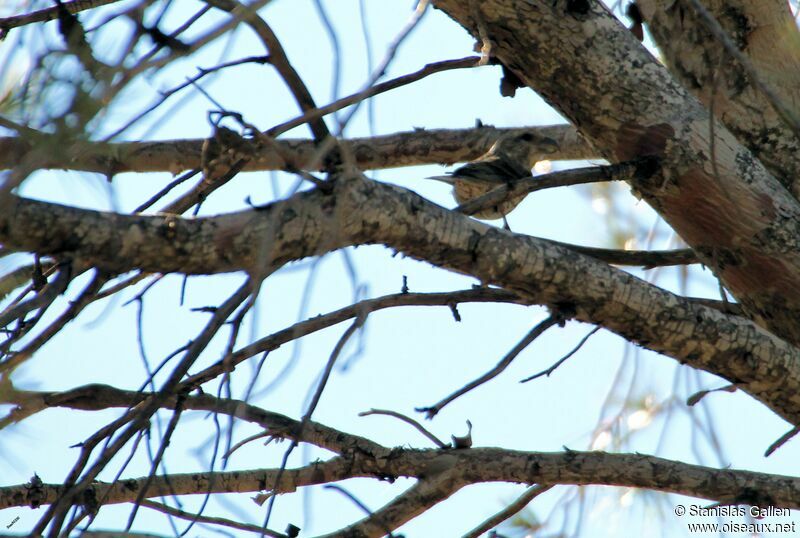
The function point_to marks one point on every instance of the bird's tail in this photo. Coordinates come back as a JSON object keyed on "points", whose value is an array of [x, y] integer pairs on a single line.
{"points": [[445, 179]]}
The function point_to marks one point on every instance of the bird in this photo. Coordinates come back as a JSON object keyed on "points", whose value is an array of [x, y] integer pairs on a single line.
{"points": [[509, 159]]}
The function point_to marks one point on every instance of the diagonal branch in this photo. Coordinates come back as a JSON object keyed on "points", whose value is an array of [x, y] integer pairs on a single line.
{"points": [[278, 59], [766, 32], [416, 500], [49, 14], [527, 340], [317, 323], [367, 212], [509, 511]]}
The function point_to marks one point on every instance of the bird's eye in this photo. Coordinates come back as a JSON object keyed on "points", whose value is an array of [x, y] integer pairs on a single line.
{"points": [[527, 137]]}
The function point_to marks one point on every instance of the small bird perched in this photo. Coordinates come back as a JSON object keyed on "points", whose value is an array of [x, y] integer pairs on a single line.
{"points": [[509, 159]]}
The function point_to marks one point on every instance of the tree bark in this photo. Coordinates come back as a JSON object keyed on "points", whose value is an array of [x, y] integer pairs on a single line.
{"points": [[742, 222]]}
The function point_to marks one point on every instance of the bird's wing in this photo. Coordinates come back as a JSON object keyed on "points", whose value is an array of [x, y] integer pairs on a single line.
{"points": [[493, 169]]}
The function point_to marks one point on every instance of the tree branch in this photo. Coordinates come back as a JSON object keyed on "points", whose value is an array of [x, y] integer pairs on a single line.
{"points": [[473, 466], [367, 212], [766, 32], [412, 148], [742, 223], [48, 14]]}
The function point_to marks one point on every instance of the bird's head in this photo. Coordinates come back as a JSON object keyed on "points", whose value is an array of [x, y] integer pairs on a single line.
{"points": [[527, 147]]}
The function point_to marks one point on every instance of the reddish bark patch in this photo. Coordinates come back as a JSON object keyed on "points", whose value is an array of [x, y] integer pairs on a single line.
{"points": [[634, 140], [707, 216], [763, 274], [701, 211]]}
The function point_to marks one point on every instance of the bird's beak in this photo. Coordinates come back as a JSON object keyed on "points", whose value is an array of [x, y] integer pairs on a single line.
{"points": [[445, 179]]}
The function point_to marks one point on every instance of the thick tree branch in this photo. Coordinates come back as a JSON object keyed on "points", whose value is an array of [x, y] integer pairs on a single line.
{"points": [[365, 212], [471, 466], [766, 32], [742, 223], [96, 396], [441, 471], [439, 146]]}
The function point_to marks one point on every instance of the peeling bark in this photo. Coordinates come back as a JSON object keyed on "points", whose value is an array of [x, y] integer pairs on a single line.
{"points": [[766, 32], [725, 204]]}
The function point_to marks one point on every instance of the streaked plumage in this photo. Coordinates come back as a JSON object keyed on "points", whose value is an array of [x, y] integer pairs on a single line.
{"points": [[509, 159]]}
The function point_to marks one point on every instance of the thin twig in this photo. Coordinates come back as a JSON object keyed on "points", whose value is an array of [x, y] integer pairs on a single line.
{"points": [[408, 420], [165, 509], [637, 169], [44, 298], [370, 91], [328, 143], [190, 81], [278, 60], [303, 328], [173, 423], [136, 418], [337, 350], [561, 361], [521, 502], [648, 259], [49, 14], [243, 442], [163, 192], [695, 398], [494, 372], [782, 440]]}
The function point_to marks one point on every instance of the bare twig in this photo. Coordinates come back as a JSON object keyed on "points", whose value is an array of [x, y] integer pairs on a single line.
{"points": [[520, 503], [42, 299], [563, 359], [75, 307], [173, 423], [327, 144], [278, 60], [408, 420], [782, 440], [639, 169], [534, 333], [229, 523], [648, 259], [49, 14], [79, 479], [323, 381], [309, 326], [429, 69], [695, 398]]}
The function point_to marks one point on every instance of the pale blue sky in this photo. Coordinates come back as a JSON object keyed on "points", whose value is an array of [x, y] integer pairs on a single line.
{"points": [[412, 356]]}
